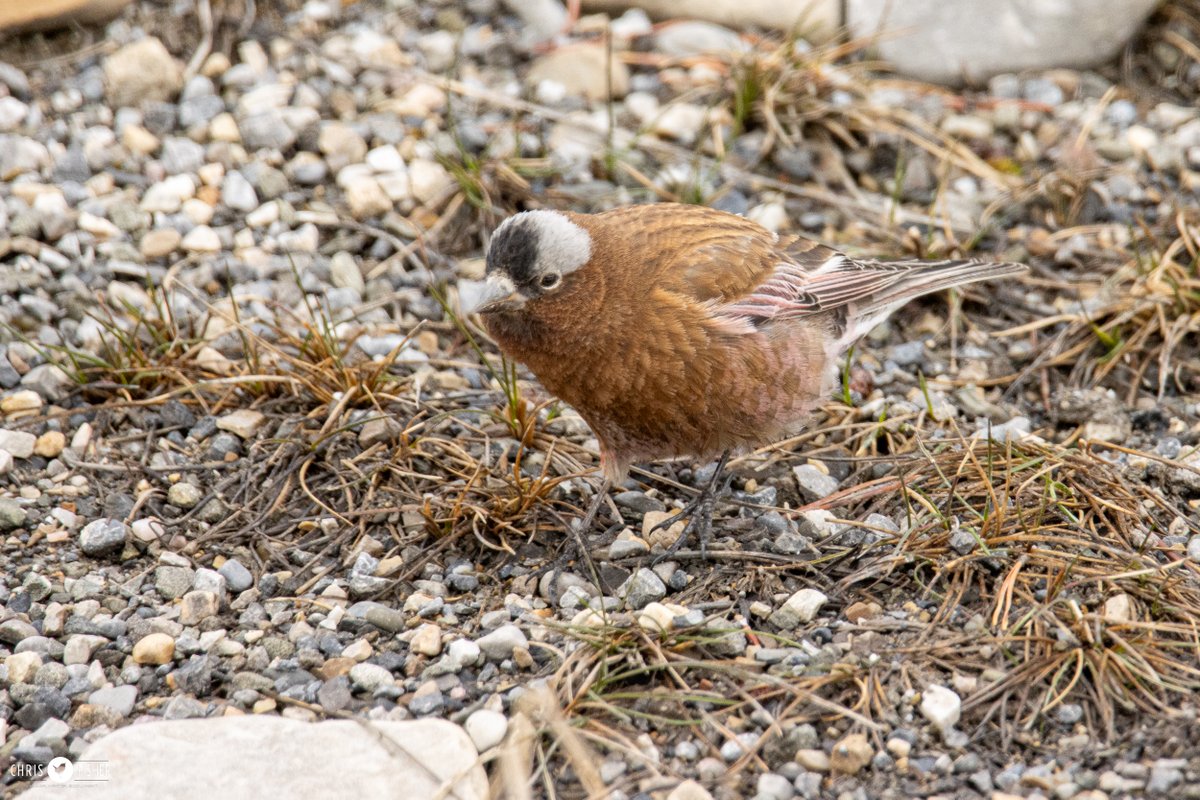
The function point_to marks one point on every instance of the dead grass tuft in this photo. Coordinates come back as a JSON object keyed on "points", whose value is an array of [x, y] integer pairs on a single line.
{"points": [[824, 99], [1067, 591], [1133, 330]]}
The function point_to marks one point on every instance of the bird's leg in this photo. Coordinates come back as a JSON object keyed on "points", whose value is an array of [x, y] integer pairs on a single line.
{"points": [[578, 547], [572, 16], [584, 523], [699, 511]]}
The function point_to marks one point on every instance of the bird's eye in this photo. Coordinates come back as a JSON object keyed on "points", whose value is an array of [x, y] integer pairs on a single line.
{"points": [[550, 280]]}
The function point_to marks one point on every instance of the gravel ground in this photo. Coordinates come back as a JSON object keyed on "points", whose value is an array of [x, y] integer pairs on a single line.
{"points": [[253, 462]]}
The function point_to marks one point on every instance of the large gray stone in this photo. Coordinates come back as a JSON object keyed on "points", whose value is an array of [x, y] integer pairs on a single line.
{"points": [[974, 39], [814, 19], [260, 756]]}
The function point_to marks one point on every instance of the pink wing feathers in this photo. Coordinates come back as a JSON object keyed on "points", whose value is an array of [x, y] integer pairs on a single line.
{"points": [[855, 296]]}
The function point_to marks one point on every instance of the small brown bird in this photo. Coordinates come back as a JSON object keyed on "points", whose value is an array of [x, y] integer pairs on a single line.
{"points": [[677, 330]]}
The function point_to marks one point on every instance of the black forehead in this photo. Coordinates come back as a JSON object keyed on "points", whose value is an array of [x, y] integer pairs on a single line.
{"points": [[514, 251]]}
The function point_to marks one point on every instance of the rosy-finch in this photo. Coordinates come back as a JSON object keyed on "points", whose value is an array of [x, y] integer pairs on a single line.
{"points": [[677, 330]]}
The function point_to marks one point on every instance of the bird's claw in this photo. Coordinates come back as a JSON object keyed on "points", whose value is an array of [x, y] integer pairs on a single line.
{"points": [[699, 514], [699, 525]]}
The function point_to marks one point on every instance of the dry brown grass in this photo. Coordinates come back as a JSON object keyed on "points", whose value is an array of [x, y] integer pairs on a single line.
{"points": [[1080, 597], [1069, 595], [1140, 336], [824, 99]]}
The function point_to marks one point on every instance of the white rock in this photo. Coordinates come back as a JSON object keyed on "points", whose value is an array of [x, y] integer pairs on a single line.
{"points": [[693, 38], [80, 647], [211, 174], [366, 198], [486, 728], [22, 666], [97, 226], [426, 640], [573, 142], [267, 96], [500, 643], [208, 757], [147, 530], [201, 239], [19, 154], [167, 195], [681, 122], [304, 239], [18, 444], [395, 185], [139, 141], [589, 618], [224, 128], [941, 706], [1118, 608], [368, 677], [21, 401], [627, 543], [238, 193], [422, 100], [967, 126], [50, 729], [463, 653], [428, 180], [12, 113], [264, 215], [630, 25], [197, 211], [378, 51], [1015, 430], [974, 39], [345, 273], [642, 105], [359, 650], [243, 423], [641, 588], [660, 616], [439, 49], [813, 482], [209, 580], [119, 698], [814, 19], [543, 19], [385, 158], [773, 216], [801, 607], [1140, 138], [689, 790], [1193, 549], [340, 144]]}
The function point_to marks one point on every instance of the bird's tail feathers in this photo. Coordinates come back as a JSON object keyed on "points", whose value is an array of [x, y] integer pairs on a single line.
{"points": [[923, 278]]}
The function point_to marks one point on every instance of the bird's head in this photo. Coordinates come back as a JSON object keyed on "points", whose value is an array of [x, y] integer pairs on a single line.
{"points": [[532, 255]]}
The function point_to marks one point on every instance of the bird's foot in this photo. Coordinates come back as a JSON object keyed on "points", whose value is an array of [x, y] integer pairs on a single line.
{"points": [[575, 548], [699, 514]]}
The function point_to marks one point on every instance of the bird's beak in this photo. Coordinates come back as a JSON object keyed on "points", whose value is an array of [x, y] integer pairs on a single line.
{"points": [[499, 294]]}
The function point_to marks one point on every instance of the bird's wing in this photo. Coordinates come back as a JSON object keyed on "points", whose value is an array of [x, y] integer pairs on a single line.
{"points": [[747, 276], [808, 278], [852, 296], [712, 256]]}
